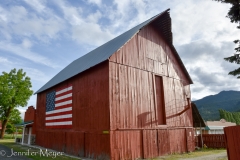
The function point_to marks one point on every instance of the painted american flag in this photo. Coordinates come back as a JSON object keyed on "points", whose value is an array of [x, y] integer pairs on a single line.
{"points": [[59, 108]]}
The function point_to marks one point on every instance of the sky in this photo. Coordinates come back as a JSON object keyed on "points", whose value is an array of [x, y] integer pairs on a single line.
{"points": [[42, 37]]}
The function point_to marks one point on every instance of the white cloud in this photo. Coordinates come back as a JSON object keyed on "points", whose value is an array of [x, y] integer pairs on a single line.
{"points": [[22, 111], [201, 33], [25, 53], [86, 32], [26, 43], [4, 60], [97, 2], [36, 4], [201, 20], [36, 74], [85, 29], [17, 21]]}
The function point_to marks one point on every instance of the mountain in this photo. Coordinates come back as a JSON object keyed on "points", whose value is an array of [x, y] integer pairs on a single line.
{"points": [[209, 106]]}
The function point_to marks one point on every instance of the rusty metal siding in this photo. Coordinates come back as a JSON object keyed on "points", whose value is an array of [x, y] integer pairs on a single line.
{"points": [[90, 116], [232, 137]]}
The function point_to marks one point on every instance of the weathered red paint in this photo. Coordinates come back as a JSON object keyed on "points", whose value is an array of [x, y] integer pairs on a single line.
{"points": [[134, 99], [30, 116], [212, 140], [232, 137], [90, 116], [115, 112]]}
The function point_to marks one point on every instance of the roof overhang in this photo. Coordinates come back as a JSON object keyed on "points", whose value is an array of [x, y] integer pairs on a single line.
{"points": [[24, 124]]}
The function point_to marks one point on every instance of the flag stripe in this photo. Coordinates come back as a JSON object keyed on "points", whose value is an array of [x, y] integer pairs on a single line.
{"points": [[59, 110], [59, 120], [59, 117], [63, 96], [58, 123], [60, 113], [63, 103], [64, 106], [64, 93], [63, 100], [64, 90]]}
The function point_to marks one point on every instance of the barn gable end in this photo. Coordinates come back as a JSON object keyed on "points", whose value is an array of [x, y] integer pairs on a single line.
{"points": [[130, 98]]}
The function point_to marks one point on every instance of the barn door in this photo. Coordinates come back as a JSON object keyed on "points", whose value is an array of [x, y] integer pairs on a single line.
{"points": [[160, 103]]}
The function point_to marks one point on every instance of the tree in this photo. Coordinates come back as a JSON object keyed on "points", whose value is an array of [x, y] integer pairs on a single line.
{"points": [[234, 16], [14, 118], [15, 91], [230, 116]]}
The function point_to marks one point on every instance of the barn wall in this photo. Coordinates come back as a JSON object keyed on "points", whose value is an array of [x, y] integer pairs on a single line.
{"points": [[132, 90], [30, 115], [87, 137]]}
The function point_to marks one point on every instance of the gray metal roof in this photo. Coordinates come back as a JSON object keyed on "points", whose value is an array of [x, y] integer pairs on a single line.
{"points": [[102, 53]]}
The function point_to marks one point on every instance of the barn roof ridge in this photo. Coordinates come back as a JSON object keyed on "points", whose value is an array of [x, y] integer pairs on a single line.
{"points": [[103, 52]]}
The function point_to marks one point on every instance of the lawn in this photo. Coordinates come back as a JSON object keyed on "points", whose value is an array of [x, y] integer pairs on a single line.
{"points": [[34, 153], [11, 136], [196, 153], [19, 148]]}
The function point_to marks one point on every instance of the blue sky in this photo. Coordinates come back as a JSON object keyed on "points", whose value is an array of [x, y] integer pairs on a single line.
{"points": [[43, 37]]}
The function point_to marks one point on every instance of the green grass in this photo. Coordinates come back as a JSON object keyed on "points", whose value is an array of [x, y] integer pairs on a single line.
{"points": [[34, 153], [10, 136], [197, 153], [19, 148]]}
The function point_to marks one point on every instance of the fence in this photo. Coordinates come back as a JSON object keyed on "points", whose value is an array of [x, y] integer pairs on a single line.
{"points": [[232, 135], [211, 140]]}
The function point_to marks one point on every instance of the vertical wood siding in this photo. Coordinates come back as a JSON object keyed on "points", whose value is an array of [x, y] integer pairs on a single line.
{"points": [[90, 116], [119, 96], [30, 115], [126, 145], [133, 101], [232, 137]]}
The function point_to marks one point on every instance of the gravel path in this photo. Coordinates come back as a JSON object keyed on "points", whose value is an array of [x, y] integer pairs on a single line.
{"points": [[7, 154], [210, 157]]}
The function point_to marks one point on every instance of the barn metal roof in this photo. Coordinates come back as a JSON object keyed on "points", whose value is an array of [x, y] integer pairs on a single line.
{"points": [[162, 21]]}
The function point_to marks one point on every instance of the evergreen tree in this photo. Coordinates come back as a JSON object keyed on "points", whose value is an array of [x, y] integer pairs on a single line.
{"points": [[234, 16]]}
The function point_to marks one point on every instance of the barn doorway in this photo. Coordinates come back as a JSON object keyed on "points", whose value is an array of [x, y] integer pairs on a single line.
{"points": [[160, 103]]}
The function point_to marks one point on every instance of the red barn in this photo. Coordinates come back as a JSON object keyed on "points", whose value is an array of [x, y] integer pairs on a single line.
{"points": [[127, 99]]}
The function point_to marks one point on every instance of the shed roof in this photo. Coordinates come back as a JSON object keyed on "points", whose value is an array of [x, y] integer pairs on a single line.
{"points": [[222, 123], [161, 21], [197, 118]]}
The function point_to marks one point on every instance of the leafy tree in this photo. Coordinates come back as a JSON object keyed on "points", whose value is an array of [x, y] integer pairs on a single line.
{"points": [[14, 118], [15, 91], [234, 16]]}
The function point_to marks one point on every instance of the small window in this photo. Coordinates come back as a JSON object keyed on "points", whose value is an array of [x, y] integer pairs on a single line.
{"points": [[160, 101]]}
